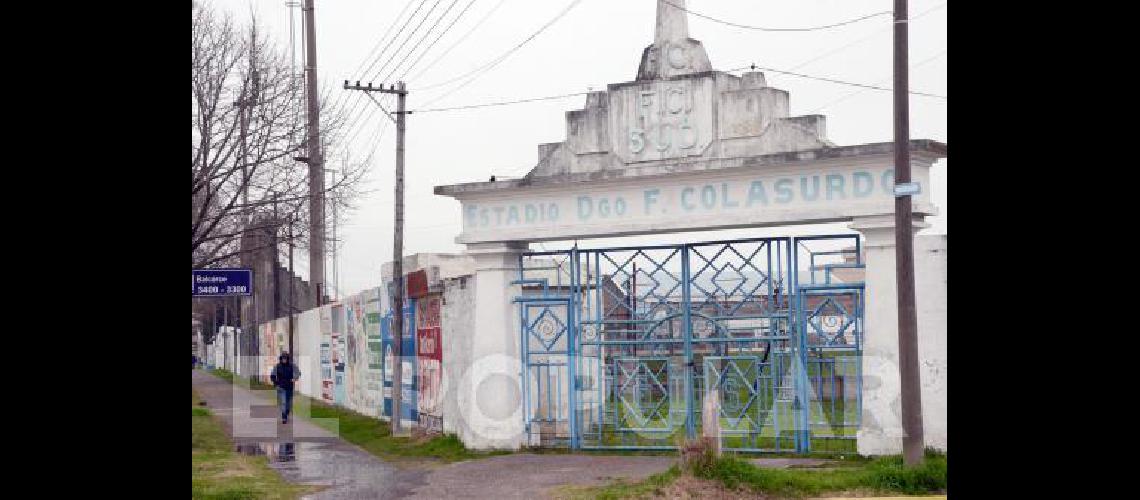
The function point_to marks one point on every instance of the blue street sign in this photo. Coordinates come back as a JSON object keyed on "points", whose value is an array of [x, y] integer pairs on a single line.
{"points": [[907, 189], [222, 282]]}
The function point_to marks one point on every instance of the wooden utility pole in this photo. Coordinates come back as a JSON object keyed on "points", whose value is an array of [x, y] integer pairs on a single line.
{"points": [[315, 160], [244, 105], [397, 240], [911, 388], [292, 279]]}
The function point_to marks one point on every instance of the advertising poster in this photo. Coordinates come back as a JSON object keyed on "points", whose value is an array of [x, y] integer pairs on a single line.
{"points": [[338, 370], [357, 371], [375, 349], [269, 346], [338, 354], [429, 356], [353, 313], [386, 363], [326, 355], [408, 400]]}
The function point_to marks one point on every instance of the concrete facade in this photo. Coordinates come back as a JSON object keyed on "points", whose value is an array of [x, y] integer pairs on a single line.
{"points": [[684, 147], [930, 288]]}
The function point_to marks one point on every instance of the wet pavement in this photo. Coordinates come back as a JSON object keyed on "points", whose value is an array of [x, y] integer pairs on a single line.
{"points": [[305, 453], [301, 451]]}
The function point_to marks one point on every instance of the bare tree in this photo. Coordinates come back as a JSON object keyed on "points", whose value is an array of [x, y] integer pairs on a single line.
{"points": [[248, 130]]}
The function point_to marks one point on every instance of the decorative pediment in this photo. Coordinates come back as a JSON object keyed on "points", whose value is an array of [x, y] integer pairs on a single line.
{"points": [[678, 108]]}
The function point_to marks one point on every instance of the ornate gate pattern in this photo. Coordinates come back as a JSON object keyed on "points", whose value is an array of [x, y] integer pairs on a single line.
{"points": [[621, 345]]}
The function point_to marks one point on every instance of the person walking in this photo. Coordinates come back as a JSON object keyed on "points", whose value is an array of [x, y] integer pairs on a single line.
{"points": [[284, 374]]}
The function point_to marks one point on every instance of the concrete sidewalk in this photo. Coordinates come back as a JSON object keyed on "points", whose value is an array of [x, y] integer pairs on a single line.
{"points": [[308, 454], [301, 451]]}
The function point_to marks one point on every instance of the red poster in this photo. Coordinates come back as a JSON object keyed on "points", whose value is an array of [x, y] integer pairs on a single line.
{"points": [[417, 284], [429, 357]]}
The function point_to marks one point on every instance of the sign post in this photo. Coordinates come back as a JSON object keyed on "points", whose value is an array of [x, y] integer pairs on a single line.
{"points": [[222, 282]]}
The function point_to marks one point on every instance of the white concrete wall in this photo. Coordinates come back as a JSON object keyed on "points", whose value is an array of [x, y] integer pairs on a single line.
{"points": [[307, 342], [930, 295], [457, 332]]}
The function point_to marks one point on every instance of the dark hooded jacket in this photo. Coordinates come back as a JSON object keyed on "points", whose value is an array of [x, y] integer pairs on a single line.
{"points": [[283, 375]]}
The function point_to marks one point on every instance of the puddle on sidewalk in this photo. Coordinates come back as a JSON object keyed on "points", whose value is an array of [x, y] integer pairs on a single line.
{"points": [[276, 452], [347, 471]]}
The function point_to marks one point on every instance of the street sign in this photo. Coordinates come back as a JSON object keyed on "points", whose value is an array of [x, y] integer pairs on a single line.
{"points": [[222, 282], [907, 189]]}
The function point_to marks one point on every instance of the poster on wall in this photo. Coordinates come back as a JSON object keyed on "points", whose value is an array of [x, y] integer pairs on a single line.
{"points": [[326, 355], [386, 363], [269, 346], [326, 373], [408, 409], [375, 349], [429, 357], [338, 354], [352, 310], [357, 344], [282, 337]]}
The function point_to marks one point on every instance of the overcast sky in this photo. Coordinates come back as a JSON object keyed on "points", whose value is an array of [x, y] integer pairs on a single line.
{"points": [[595, 43]]}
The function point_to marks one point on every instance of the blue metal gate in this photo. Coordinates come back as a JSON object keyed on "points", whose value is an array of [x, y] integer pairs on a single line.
{"points": [[622, 346]]}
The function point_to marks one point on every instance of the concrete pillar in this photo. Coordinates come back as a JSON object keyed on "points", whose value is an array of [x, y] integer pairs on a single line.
{"points": [[491, 390], [930, 279], [881, 431]]}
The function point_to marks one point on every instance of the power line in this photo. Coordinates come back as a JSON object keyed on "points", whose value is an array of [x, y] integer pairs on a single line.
{"points": [[421, 41], [754, 67], [380, 42], [437, 39], [382, 38], [409, 38], [405, 25], [832, 80], [459, 40], [863, 39], [852, 94], [473, 106], [356, 103], [372, 111], [503, 57], [759, 28]]}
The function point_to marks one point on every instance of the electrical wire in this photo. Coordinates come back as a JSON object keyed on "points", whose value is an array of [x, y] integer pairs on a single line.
{"points": [[473, 106], [487, 67], [458, 41], [832, 80], [759, 28]]}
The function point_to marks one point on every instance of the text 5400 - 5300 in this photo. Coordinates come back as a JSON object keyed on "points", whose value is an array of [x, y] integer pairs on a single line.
{"points": [[225, 289]]}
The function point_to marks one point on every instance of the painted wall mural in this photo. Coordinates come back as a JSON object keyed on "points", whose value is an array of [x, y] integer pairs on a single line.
{"points": [[374, 350], [429, 356]]}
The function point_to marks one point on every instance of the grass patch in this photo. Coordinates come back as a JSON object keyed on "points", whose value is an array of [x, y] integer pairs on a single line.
{"points": [[221, 473], [375, 436], [228, 376], [223, 374], [652, 487], [880, 475]]}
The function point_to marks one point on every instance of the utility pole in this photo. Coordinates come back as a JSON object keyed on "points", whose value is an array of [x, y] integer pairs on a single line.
{"points": [[398, 238], [243, 105], [911, 389], [315, 161], [336, 271], [292, 279], [276, 265]]}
